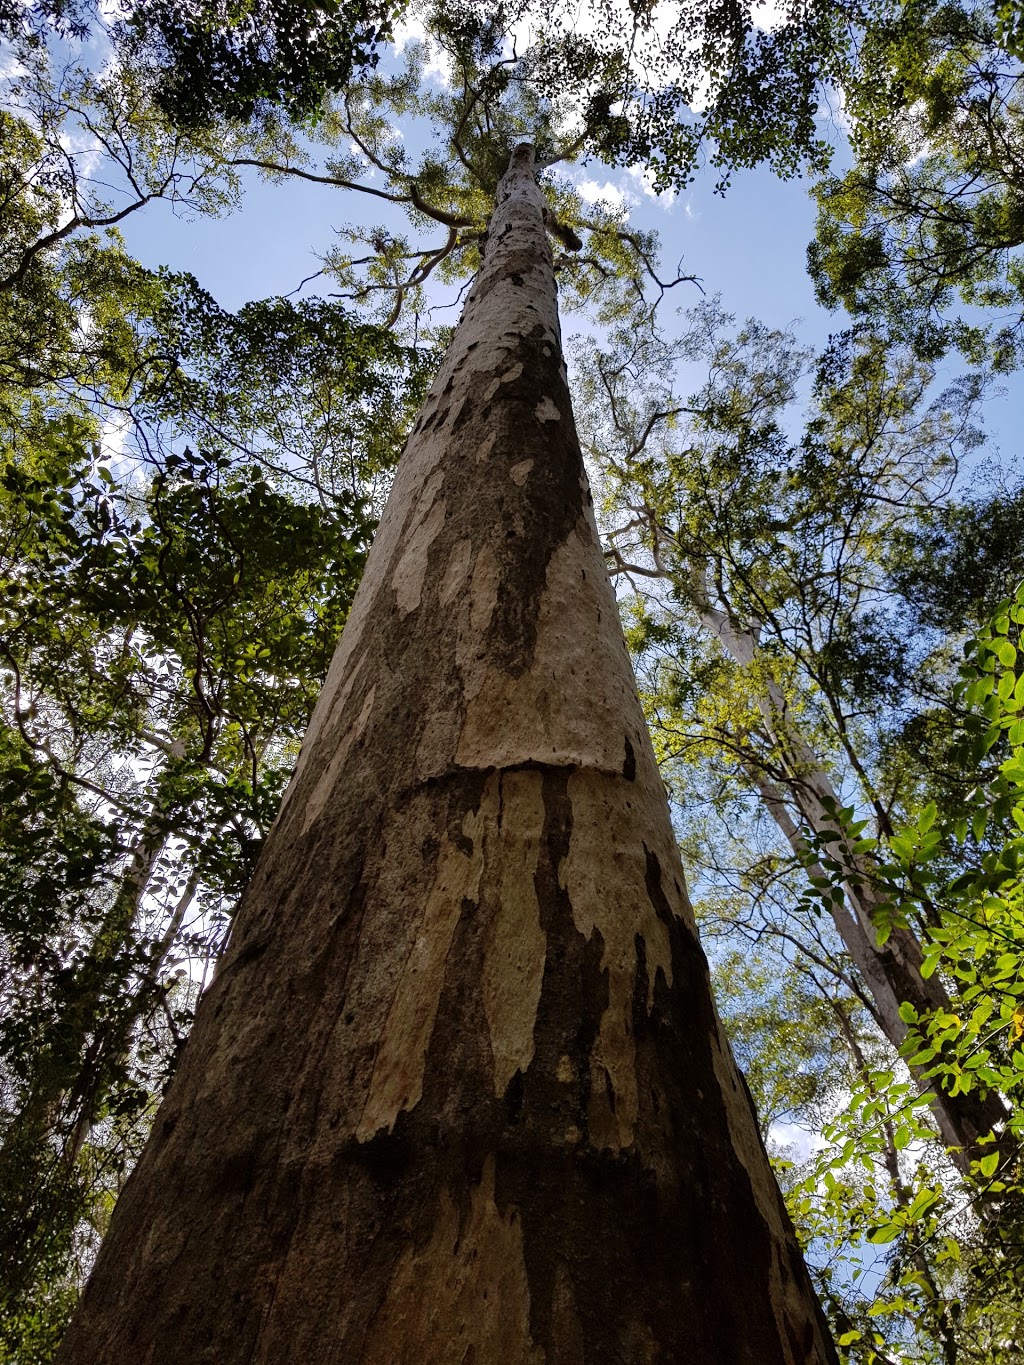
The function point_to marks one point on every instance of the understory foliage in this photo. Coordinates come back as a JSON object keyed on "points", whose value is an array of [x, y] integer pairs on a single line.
{"points": [[949, 1284], [167, 618], [186, 499]]}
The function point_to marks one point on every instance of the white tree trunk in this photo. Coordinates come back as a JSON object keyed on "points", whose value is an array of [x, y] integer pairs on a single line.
{"points": [[890, 972]]}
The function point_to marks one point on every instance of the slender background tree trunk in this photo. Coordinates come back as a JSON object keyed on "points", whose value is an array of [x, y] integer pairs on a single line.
{"points": [[39, 1199], [891, 972], [458, 1093]]}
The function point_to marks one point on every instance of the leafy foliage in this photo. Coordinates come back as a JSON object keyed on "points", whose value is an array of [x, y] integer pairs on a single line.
{"points": [[210, 61], [186, 497], [930, 210], [239, 61], [952, 1272]]}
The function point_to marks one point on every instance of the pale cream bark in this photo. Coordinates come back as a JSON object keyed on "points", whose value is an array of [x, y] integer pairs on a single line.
{"points": [[458, 1095], [891, 972]]}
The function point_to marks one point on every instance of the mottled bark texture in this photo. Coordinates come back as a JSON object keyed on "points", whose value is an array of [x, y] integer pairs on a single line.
{"points": [[458, 1095]]}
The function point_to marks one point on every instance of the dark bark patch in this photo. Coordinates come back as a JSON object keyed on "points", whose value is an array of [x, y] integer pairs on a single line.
{"points": [[655, 891], [514, 1097], [629, 766], [539, 516], [516, 266], [387, 1157], [246, 954]]}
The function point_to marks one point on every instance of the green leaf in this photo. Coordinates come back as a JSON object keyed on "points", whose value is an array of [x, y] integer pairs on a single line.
{"points": [[923, 1200], [926, 1054], [884, 1233]]}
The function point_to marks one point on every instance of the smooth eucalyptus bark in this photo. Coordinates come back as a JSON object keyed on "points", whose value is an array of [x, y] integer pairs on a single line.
{"points": [[891, 972], [458, 1092]]}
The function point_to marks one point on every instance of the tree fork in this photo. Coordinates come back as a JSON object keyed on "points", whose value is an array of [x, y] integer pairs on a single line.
{"points": [[458, 1092]]}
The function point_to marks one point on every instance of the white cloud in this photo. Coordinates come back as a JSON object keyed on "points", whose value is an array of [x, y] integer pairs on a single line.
{"points": [[113, 435], [11, 69], [86, 150], [643, 177], [411, 30], [832, 110], [608, 194], [770, 14], [800, 1143]]}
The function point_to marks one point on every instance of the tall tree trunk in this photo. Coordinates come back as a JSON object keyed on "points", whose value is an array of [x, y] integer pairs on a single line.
{"points": [[66, 1066], [40, 1202], [891, 972], [458, 1092]]}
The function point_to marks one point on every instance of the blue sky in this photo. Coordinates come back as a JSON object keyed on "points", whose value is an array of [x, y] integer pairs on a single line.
{"points": [[748, 246]]}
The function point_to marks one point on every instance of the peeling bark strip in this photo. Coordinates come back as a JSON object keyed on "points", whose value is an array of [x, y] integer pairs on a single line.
{"points": [[458, 1095]]}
